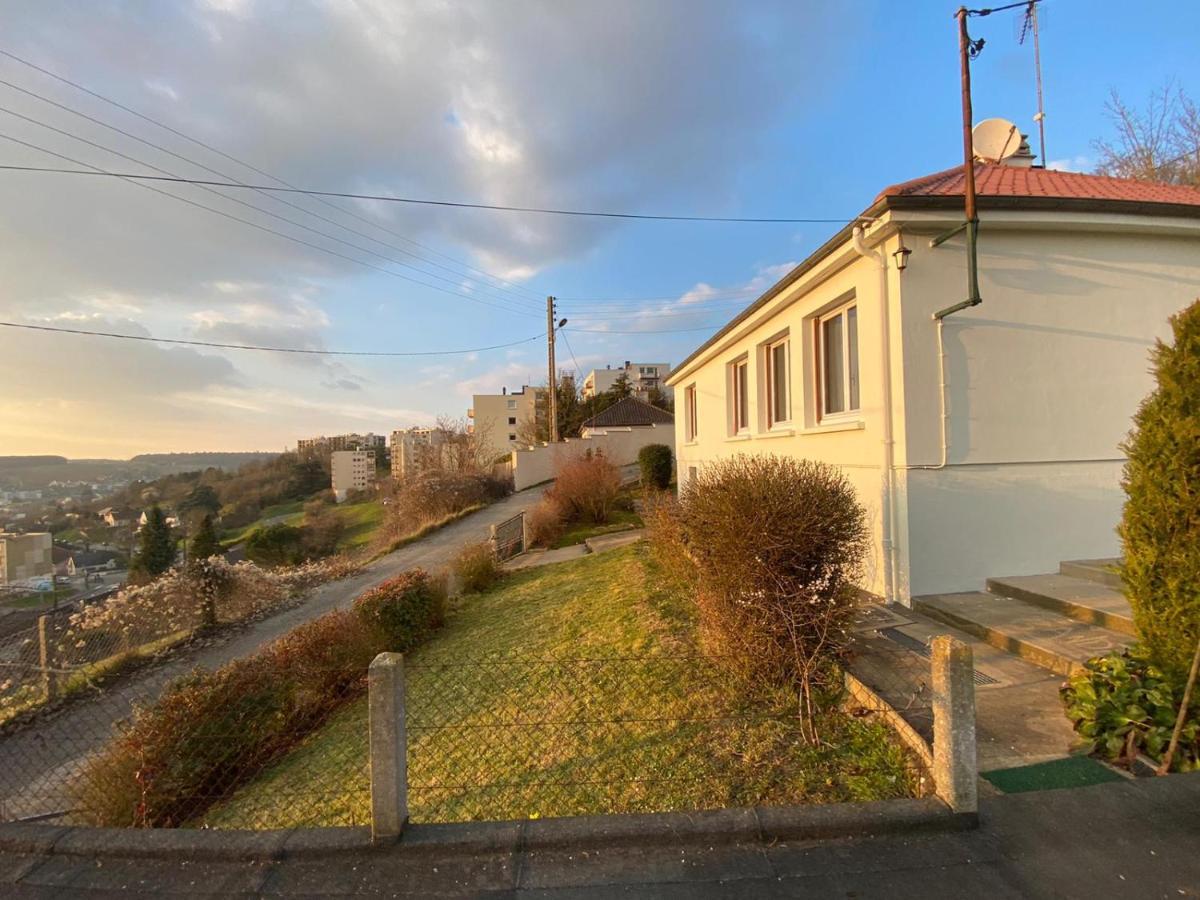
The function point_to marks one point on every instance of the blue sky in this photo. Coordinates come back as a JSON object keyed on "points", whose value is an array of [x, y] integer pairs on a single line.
{"points": [[775, 109]]}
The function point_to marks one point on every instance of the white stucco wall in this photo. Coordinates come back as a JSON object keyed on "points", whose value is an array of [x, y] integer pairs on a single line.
{"points": [[1042, 381], [619, 445]]}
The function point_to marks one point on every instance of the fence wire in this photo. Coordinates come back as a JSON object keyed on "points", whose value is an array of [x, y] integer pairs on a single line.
{"points": [[513, 738]]}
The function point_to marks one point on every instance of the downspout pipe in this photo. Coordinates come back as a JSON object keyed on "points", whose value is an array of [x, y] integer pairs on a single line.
{"points": [[888, 513], [939, 318]]}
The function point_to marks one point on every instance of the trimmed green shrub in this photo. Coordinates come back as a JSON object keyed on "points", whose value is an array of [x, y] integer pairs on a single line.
{"points": [[655, 461], [403, 611], [1160, 530], [212, 731], [1122, 704], [477, 568], [275, 545]]}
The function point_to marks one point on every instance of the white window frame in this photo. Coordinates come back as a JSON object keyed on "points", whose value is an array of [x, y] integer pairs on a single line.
{"points": [[691, 425], [772, 387], [739, 389], [819, 356]]}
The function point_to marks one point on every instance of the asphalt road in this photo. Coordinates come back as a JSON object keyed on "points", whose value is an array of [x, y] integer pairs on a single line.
{"points": [[37, 763]]}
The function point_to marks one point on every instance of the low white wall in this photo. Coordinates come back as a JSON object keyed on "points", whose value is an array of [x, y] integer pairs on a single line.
{"points": [[619, 446]]}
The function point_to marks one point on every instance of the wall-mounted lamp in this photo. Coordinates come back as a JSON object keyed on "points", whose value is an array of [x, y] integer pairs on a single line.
{"points": [[901, 257]]}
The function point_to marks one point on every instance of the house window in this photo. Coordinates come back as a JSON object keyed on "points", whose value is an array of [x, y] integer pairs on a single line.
{"points": [[739, 396], [837, 361], [779, 399], [512, 404], [512, 437], [689, 413], [512, 420]]}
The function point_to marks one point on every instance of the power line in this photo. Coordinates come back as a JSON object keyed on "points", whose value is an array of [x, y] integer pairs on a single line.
{"points": [[201, 165], [150, 119], [256, 225], [571, 350], [222, 346], [647, 331], [422, 202]]}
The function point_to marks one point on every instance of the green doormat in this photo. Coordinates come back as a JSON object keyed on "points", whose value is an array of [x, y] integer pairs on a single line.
{"points": [[1074, 771]]}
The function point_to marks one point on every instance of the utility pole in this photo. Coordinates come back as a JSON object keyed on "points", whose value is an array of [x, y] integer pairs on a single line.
{"points": [[552, 406]]}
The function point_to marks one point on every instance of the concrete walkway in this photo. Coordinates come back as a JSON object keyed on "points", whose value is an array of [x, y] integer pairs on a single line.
{"points": [[1127, 839], [36, 764], [599, 544]]}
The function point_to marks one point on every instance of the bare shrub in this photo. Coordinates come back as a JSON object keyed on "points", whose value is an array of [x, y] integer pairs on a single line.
{"points": [[433, 495], [777, 545], [586, 488], [664, 529], [544, 522], [476, 567]]}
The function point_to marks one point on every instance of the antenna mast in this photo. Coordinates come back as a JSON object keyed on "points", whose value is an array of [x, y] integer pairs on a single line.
{"points": [[1031, 25]]}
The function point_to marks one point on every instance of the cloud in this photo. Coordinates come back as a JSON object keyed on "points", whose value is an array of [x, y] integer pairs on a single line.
{"points": [[1072, 164]]}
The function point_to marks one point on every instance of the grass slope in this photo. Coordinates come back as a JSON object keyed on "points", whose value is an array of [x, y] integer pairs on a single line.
{"points": [[362, 521], [572, 689]]}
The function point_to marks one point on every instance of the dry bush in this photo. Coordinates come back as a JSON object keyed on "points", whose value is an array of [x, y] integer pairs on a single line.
{"points": [[586, 488], [212, 731], [664, 529], [434, 495], [545, 522], [476, 568], [777, 545]]}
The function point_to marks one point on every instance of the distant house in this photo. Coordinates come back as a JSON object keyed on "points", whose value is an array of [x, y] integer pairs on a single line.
{"points": [[982, 439], [628, 413], [172, 520], [110, 517], [497, 420], [71, 562]]}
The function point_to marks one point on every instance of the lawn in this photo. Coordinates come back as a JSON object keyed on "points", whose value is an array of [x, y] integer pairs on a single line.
{"points": [[571, 689], [291, 513], [362, 521], [578, 532]]}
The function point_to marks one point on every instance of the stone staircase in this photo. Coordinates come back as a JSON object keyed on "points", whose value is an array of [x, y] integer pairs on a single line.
{"points": [[1055, 621]]}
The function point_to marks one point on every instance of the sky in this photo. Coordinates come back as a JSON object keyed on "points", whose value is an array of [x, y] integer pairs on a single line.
{"points": [[680, 107]]}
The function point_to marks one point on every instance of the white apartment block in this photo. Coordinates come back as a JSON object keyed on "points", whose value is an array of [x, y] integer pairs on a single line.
{"points": [[643, 378], [353, 470], [496, 419], [24, 557], [417, 449]]}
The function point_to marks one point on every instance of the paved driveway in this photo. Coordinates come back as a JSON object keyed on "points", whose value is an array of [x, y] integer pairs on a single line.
{"points": [[36, 764]]}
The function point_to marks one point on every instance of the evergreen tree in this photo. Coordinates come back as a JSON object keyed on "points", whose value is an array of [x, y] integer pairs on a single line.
{"points": [[156, 552], [202, 497], [622, 388], [205, 543], [1160, 529]]}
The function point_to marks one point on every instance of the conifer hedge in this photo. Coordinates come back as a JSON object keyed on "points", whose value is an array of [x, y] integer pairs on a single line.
{"points": [[1160, 530]]}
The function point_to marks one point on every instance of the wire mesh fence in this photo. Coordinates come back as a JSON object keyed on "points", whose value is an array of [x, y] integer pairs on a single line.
{"points": [[270, 743], [72, 650], [508, 537], [513, 737]]}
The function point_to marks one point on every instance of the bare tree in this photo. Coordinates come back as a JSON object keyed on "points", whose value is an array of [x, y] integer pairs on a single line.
{"points": [[1158, 143]]}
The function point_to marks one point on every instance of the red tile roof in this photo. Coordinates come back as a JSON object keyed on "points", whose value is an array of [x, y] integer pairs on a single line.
{"points": [[994, 180]]}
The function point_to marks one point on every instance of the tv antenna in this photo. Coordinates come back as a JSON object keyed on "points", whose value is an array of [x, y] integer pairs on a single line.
{"points": [[1030, 26]]}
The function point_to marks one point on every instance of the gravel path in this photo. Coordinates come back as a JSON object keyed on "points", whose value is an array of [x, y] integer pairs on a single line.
{"points": [[37, 764]]}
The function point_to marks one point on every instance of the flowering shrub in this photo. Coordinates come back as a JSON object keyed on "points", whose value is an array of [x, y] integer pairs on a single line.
{"points": [[212, 731]]}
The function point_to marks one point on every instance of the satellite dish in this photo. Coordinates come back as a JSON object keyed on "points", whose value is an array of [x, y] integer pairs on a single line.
{"points": [[995, 140]]}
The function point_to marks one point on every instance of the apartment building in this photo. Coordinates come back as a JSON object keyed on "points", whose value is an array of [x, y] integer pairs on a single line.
{"points": [[334, 443], [416, 449], [497, 419], [352, 470], [643, 378], [24, 557]]}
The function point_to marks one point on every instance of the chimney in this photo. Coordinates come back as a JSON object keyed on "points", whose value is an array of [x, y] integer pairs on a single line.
{"points": [[627, 364], [503, 391]]}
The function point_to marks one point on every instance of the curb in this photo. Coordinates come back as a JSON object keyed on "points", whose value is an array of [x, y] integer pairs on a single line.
{"points": [[719, 826]]}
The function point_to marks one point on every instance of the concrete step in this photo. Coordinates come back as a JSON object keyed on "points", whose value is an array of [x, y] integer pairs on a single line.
{"points": [[1079, 599], [1038, 635], [1101, 571]]}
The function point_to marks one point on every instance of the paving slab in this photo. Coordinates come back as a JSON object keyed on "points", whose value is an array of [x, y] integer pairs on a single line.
{"points": [[602, 542], [1077, 598], [1050, 640], [1102, 571], [1019, 716]]}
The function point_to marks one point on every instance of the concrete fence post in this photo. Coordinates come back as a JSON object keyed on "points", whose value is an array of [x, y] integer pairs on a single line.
{"points": [[389, 746], [46, 660], [955, 769]]}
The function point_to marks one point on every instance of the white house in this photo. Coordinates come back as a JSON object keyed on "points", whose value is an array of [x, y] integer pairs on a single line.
{"points": [[985, 442]]}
